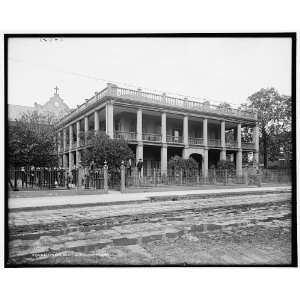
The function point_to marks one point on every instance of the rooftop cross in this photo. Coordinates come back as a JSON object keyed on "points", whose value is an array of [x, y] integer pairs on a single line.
{"points": [[56, 89]]}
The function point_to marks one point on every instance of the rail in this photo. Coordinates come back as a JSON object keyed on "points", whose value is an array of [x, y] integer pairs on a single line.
{"points": [[151, 137], [128, 136], [196, 141], [174, 139]]}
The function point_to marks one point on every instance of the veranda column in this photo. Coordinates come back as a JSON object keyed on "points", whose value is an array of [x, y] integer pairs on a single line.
{"points": [[65, 161], [78, 158], [65, 139], [205, 132], [239, 163], [239, 135], [185, 136], [223, 143], [139, 125], [139, 137], [256, 144], [59, 141], [110, 119], [78, 133], [163, 127], [70, 147], [86, 129], [205, 164], [71, 160], [239, 154], [70, 137], [164, 159], [96, 121]]}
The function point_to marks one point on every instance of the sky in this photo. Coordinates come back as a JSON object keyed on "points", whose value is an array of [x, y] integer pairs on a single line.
{"points": [[217, 69]]}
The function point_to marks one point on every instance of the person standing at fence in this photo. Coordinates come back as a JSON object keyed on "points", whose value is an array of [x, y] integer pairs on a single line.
{"points": [[32, 176], [139, 167], [129, 163]]}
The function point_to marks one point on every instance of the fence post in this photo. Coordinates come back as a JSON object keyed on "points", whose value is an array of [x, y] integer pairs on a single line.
{"points": [[105, 177], [122, 188]]}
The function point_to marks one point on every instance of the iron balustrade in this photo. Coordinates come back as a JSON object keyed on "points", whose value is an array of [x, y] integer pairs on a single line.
{"points": [[126, 135], [200, 105], [195, 141], [178, 102], [151, 137], [174, 139], [232, 144], [248, 146], [214, 142]]}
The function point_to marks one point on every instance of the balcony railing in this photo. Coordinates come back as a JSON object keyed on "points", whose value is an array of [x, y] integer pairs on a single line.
{"points": [[151, 137], [214, 142], [248, 146], [201, 105], [178, 102], [232, 144], [195, 141], [174, 139], [128, 136]]}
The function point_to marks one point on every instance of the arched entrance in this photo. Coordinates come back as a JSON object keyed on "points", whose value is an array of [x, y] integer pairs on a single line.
{"points": [[198, 158]]}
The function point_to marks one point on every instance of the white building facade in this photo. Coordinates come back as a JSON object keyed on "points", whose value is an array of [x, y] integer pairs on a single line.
{"points": [[158, 127]]}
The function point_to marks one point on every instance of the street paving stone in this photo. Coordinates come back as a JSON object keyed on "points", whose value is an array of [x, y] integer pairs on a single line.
{"points": [[170, 232]]}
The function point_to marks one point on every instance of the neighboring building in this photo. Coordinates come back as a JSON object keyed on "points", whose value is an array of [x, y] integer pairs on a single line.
{"points": [[157, 127], [54, 107]]}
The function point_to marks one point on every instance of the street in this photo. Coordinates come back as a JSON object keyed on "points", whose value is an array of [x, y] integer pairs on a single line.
{"points": [[236, 229]]}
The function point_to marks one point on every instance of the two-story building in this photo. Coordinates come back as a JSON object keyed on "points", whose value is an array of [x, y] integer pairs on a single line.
{"points": [[158, 127]]}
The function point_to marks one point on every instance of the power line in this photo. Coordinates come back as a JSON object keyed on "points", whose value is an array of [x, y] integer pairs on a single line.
{"points": [[105, 80]]}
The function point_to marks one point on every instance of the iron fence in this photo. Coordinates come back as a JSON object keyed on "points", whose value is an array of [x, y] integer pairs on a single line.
{"points": [[36, 178], [192, 177]]}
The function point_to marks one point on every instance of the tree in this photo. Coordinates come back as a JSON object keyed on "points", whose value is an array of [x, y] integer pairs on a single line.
{"points": [[274, 120], [176, 163], [32, 141], [106, 149]]}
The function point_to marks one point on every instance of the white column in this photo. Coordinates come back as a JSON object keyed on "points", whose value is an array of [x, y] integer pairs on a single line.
{"points": [[164, 159], [186, 131], [164, 127], [78, 133], [205, 132], [223, 134], [256, 138], [86, 129], [239, 136], [205, 164], [223, 154], [96, 121], [59, 141], [139, 153], [65, 139], [256, 143], [223, 143], [78, 158], [239, 163], [65, 161], [110, 119], [70, 161], [70, 136], [139, 125]]}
